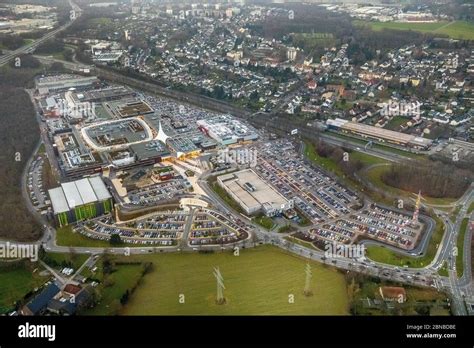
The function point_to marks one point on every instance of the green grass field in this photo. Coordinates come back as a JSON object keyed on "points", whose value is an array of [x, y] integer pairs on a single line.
{"points": [[326, 163], [259, 281], [454, 213], [460, 246], [16, 283], [471, 208], [367, 160], [422, 27], [391, 149], [443, 271], [330, 165], [122, 279], [300, 242], [264, 221], [456, 30], [76, 260], [396, 122], [66, 237], [310, 41]]}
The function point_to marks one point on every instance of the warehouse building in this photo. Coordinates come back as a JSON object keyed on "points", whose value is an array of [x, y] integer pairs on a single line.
{"points": [[379, 134], [80, 200], [253, 194]]}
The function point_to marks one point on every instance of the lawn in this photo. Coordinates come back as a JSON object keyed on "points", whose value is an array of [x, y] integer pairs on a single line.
{"points": [[310, 41], [422, 27], [15, 284], [367, 160], [55, 260], [330, 165], [102, 21], [354, 139], [384, 255], [456, 30], [301, 242], [119, 281], [264, 221], [454, 214], [259, 281], [470, 209], [460, 246], [443, 271], [327, 163], [395, 123], [66, 237], [41, 149]]}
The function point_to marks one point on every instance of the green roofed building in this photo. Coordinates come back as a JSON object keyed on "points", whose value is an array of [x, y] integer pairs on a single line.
{"points": [[80, 200]]}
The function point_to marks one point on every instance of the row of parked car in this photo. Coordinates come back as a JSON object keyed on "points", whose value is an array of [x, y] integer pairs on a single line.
{"points": [[35, 187]]}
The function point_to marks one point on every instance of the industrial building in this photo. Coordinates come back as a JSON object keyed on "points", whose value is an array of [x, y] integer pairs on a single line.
{"points": [[79, 200], [253, 194], [379, 134]]}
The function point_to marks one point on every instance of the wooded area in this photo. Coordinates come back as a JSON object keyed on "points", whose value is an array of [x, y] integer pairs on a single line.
{"points": [[434, 179], [19, 135]]}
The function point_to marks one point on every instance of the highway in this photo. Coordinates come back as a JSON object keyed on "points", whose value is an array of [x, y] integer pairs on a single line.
{"points": [[30, 47]]}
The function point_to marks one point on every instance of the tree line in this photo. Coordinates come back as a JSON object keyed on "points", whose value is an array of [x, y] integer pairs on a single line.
{"points": [[19, 134]]}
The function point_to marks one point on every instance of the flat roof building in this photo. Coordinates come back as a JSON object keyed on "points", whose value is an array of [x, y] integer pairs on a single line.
{"points": [[380, 134], [79, 200], [253, 194], [227, 130], [104, 94], [65, 81]]}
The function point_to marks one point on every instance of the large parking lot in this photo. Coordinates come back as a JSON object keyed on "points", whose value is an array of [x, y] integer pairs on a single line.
{"points": [[316, 194], [159, 229], [159, 192], [167, 228], [336, 212], [210, 228]]}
